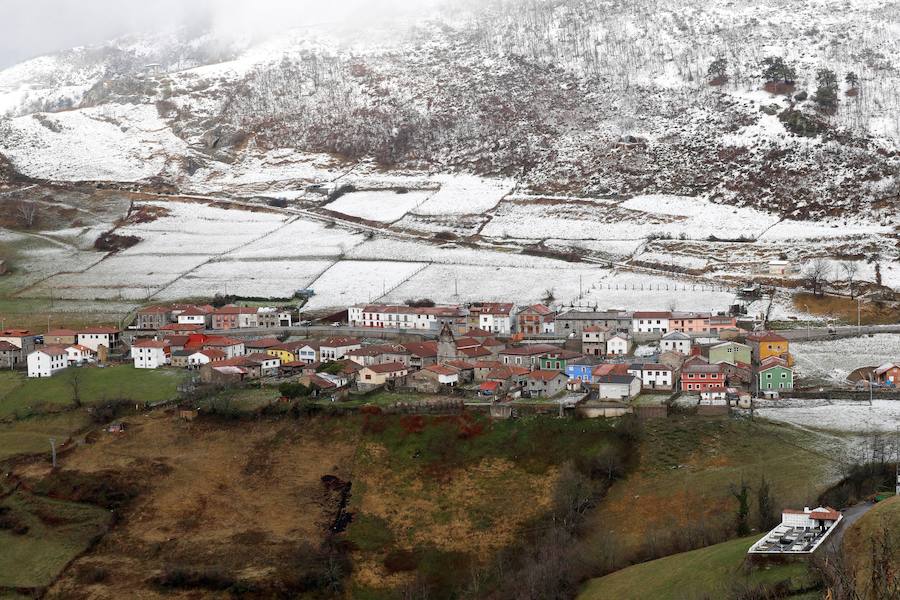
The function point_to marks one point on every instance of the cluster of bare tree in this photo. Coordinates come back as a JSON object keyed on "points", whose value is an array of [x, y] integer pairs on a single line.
{"points": [[820, 273]]}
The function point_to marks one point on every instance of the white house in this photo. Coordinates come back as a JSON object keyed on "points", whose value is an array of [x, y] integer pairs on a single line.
{"points": [[268, 364], [193, 315], [395, 316], [654, 376], [676, 341], [201, 357], [619, 344], [495, 317], [713, 396], [650, 322], [446, 375], [336, 348], [151, 354], [47, 361], [617, 387], [76, 355], [308, 353], [230, 346], [94, 337]]}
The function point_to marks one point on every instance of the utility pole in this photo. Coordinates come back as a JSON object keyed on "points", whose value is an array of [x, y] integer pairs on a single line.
{"points": [[53, 451], [858, 316]]}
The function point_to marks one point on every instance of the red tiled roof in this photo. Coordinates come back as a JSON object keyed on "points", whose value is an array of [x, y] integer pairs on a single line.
{"points": [[442, 369], [765, 336], [610, 369], [544, 375], [422, 349], [61, 333], [8, 347], [268, 342], [100, 330], [461, 364], [489, 386], [650, 314], [261, 356], [475, 352], [539, 309], [219, 340], [177, 340], [477, 333], [213, 354], [529, 349], [154, 310], [488, 364], [52, 350], [321, 382], [335, 342], [15, 333], [827, 514], [151, 344], [491, 308]]}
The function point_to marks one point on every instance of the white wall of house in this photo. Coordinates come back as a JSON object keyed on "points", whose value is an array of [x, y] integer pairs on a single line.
{"points": [[650, 325], [327, 353], [618, 345], [198, 358], [45, 364], [653, 377], [95, 340], [307, 354], [193, 320], [78, 356], [676, 345], [149, 358], [502, 324]]}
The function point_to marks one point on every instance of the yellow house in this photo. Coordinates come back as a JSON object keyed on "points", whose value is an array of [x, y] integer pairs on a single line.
{"points": [[381, 374], [302, 351], [767, 344]]}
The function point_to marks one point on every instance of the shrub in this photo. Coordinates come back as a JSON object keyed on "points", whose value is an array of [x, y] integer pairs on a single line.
{"points": [[400, 561]]}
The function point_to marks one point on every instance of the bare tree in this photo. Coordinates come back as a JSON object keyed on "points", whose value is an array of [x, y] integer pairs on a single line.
{"points": [[850, 269], [75, 385], [817, 274], [27, 212]]}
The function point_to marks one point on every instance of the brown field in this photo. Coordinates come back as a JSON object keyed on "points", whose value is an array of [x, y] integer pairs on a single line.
{"points": [[844, 309]]}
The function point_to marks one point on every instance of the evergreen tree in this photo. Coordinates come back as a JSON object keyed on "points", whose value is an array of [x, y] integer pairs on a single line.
{"points": [[852, 79], [776, 70], [718, 69], [827, 88], [742, 495], [765, 506]]}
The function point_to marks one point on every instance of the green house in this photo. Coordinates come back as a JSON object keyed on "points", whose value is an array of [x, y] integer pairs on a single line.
{"points": [[730, 352], [557, 361], [776, 377]]}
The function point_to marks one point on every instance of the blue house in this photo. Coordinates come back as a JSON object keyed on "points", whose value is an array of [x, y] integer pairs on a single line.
{"points": [[582, 368]]}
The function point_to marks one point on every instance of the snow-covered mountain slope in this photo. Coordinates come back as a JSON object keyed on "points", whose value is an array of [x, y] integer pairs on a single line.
{"points": [[567, 97]]}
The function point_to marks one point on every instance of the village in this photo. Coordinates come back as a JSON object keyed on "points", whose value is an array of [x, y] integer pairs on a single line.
{"points": [[492, 353]]}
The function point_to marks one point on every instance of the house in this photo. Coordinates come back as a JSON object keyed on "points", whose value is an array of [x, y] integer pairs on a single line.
{"points": [[151, 318], [336, 348], [737, 375], [421, 354], [490, 389], [95, 337], [394, 316], [779, 268], [713, 396], [593, 340], [774, 374], [618, 345], [545, 384], [375, 375], [888, 374], [765, 344], [230, 346], [606, 369], [483, 367], [575, 320], [379, 353], [23, 339], [495, 317], [722, 323], [617, 387], [672, 359], [534, 319], [526, 355], [60, 337], [151, 354], [697, 376], [202, 357], [557, 359], [508, 377], [268, 364], [221, 374], [582, 369], [689, 322], [178, 342], [10, 355], [78, 355], [675, 341], [271, 318], [179, 358], [298, 351], [651, 322], [194, 315], [47, 361], [731, 353], [181, 328], [466, 370], [234, 317], [654, 376], [445, 374]]}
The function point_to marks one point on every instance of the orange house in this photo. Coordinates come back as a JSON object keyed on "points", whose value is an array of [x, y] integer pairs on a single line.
{"points": [[766, 344]]}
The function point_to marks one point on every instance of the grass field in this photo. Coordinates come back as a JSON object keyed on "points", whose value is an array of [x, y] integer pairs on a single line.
{"points": [[24, 397], [711, 572], [682, 484], [31, 435], [875, 534], [41, 536]]}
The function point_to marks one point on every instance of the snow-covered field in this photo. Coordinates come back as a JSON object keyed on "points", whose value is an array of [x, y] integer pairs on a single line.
{"points": [[835, 415], [465, 195], [835, 359], [384, 206]]}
